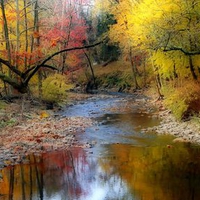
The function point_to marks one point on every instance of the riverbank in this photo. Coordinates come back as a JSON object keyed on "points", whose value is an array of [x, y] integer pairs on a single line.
{"points": [[39, 130], [36, 130], [148, 102], [38, 136], [184, 131]]}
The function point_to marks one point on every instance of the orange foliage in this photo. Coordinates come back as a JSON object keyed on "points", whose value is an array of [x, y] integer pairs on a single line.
{"points": [[36, 34]]}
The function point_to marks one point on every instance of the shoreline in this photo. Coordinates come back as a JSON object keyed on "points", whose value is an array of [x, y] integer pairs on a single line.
{"points": [[42, 133], [40, 136], [184, 131]]}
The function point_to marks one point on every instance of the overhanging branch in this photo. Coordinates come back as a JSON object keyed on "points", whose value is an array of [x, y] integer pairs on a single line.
{"points": [[57, 53], [9, 80], [11, 67], [45, 66], [188, 53]]}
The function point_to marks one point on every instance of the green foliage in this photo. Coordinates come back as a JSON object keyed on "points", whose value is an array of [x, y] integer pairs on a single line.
{"points": [[113, 79], [114, 75], [106, 51], [8, 122], [109, 52], [2, 105], [104, 22], [54, 88]]}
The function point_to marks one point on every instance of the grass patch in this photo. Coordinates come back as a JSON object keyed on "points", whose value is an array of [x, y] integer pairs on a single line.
{"points": [[2, 105], [8, 122]]}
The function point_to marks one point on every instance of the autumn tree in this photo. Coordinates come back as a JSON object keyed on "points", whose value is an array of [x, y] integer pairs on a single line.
{"points": [[121, 31], [166, 33], [69, 27], [30, 42], [170, 30], [107, 52]]}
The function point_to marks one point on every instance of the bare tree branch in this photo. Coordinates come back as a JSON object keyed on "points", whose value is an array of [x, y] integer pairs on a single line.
{"points": [[45, 66], [10, 81], [188, 53], [57, 53], [11, 67], [22, 85]]}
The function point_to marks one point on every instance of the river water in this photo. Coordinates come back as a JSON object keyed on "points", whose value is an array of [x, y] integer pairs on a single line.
{"points": [[123, 163]]}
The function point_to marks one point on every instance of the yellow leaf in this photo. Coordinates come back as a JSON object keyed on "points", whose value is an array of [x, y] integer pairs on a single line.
{"points": [[44, 114]]}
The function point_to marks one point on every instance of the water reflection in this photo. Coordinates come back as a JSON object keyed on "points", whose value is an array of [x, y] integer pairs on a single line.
{"points": [[63, 175], [166, 173], [125, 164], [123, 172]]}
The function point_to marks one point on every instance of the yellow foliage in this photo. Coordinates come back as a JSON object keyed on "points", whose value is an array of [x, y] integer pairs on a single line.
{"points": [[183, 100], [11, 15], [171, 62], [54, 88], [155, 26]]}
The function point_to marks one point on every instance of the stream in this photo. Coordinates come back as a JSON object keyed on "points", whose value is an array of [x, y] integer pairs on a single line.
{"points": [[122, 162]]}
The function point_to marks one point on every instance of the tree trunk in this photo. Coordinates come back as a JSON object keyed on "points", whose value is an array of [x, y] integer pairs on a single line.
{"points": [[159, 86], [5, 88], [26, 32], [64, 54], [17, 33], [6, 35], [192, 70], [91, 69], [37, 45], [157, 80], [134, 70], [145, 73]]}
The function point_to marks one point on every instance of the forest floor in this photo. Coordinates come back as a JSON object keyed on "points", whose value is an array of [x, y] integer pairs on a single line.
{"points": [[37, 130]]}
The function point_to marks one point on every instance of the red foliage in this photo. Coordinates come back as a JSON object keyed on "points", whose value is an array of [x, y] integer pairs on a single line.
{"points": [[64, 29]]}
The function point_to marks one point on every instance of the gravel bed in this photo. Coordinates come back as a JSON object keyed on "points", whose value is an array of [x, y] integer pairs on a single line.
{"points": [[39, 136]]}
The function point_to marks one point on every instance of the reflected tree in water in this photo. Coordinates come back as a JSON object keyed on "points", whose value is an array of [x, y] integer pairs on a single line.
{"points": [[158, 172], [46, 174]]}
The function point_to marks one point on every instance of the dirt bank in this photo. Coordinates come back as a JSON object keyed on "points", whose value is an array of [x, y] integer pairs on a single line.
{"points": [[184, 131]]}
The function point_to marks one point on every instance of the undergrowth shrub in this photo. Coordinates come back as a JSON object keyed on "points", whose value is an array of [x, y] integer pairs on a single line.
{"points": [[183, 101], [55, 88]]}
